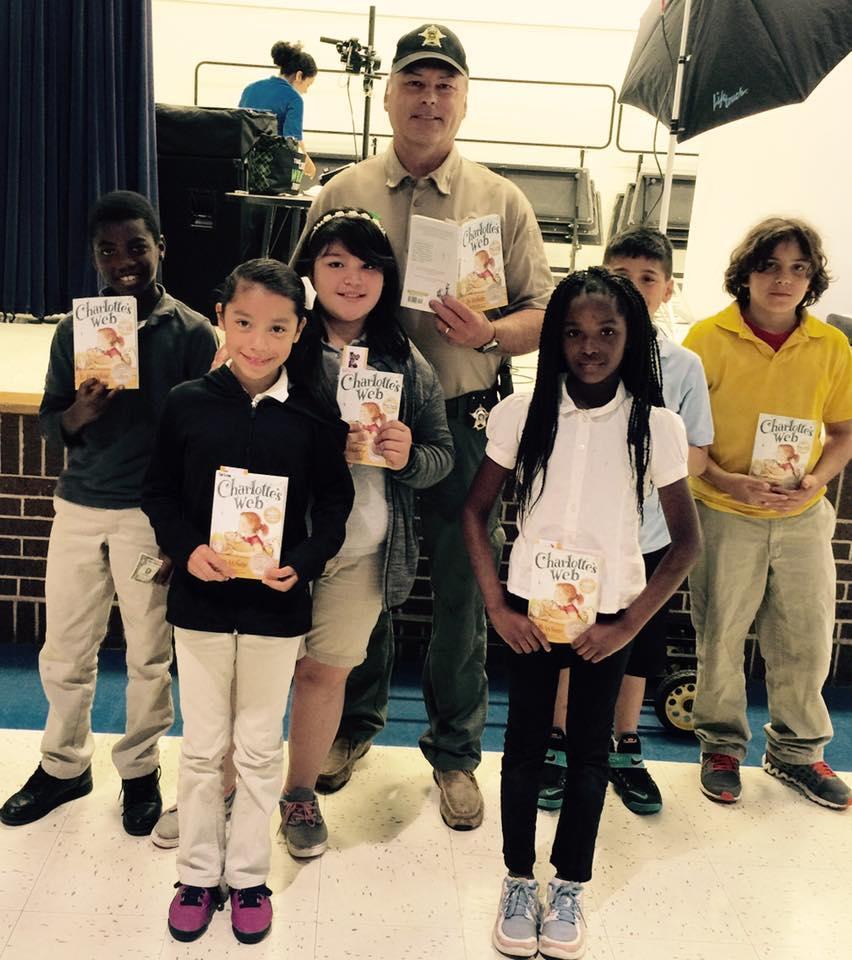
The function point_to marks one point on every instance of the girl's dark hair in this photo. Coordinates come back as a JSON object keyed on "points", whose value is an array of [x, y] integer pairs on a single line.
{"points": [[361, 235], [639, 372], [274, 275], [290, 58], [122, 205], [758, 246]]}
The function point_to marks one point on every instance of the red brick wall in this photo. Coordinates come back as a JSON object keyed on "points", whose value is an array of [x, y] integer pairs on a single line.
{"points": [[28, 468]]}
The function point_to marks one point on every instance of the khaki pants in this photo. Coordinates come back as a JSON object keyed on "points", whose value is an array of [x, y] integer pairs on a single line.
{"points": [[91, 555], [260, 670], [347, 601], [780, 574]]}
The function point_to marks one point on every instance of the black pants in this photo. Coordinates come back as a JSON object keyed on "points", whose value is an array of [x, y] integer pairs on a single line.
{"points": [[592, 693]]}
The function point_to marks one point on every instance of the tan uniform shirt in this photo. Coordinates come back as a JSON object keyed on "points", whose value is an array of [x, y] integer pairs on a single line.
{"points": [[458, 189]]}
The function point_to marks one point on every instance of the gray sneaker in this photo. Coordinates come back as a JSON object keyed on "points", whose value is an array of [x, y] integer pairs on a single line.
{"points": [[166, 834], [720, 777], [563, 930], [302, 825], [516, 928], [817, 781]]}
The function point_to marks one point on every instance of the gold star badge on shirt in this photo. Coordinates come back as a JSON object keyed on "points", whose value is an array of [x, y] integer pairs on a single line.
{"points": [[432, 36], [480, 417]]}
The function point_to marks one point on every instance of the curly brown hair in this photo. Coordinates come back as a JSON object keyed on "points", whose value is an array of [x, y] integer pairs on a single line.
{"points": [[758, 246]]}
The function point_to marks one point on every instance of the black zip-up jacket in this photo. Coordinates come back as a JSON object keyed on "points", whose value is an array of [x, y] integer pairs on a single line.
{"points": [[212, 422]]}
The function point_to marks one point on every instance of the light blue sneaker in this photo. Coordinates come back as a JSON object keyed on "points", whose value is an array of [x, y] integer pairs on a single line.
{"points": [[563, 930], [516, 929]]}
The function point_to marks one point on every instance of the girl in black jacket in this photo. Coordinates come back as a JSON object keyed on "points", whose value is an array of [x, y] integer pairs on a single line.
{"points": [[248, 415]]}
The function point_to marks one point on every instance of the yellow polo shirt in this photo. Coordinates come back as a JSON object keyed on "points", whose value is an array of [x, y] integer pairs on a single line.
{"points": [[810, 378]]}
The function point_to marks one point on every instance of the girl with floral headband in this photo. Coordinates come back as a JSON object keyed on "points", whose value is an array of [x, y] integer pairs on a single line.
{"points": [[349, 262]]}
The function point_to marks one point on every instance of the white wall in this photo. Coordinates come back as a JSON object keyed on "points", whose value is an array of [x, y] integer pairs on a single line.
{"points": [[578, 42], [794, 161]]}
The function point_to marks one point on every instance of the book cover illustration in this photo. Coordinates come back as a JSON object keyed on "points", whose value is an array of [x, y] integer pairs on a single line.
{"points": [[565, 591], [105, 341], [368, 397], [248, 520], [465, 260], [782, 449]]}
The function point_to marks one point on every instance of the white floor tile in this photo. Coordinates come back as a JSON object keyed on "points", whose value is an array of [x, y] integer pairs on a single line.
{"points": [[637, 949], [287, 940], [387, 941], [23, 852], [766, 879], [404, 886], [793, 907], [8, 919], [85, 937], [672, 898]]}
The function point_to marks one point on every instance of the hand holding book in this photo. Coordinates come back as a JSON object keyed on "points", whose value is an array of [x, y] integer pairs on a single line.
{"points": [[206, 564]]}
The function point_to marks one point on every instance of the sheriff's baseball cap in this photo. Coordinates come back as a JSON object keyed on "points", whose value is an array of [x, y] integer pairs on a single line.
{"points": [[432, 41]]}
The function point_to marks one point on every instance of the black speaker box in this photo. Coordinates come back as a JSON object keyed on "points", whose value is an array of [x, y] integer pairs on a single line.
{"points": [[207, 234], [184, 131]]}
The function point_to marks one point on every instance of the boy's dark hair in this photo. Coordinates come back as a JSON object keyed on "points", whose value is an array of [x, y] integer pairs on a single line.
{"points": [[123, 205], [639, 372], [358, 232], [641, 242], [274, 275], [754, 252], [290, 58]]}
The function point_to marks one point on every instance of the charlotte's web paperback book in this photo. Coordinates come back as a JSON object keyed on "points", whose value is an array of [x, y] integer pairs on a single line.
{"points": [[565, 590], [782, 449], [105, 341], [248, 520], [464, 260], [368, 397]]}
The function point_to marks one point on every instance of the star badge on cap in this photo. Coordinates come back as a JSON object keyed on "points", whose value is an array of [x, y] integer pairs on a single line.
{"points": [[432, 36], [480, 417]]}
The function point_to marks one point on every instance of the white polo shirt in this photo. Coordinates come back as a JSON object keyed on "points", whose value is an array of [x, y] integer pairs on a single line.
{"points": [[589, 501]]}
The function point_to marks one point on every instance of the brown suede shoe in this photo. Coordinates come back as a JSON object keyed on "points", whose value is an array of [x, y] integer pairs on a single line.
{"points": [[461, 802], [337, 768]]}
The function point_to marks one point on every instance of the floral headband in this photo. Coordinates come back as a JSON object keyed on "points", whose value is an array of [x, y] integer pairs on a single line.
{"points": [[351, 214]]}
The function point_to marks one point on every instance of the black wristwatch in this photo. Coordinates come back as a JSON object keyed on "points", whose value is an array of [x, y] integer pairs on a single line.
{"points": [[492, 345]]}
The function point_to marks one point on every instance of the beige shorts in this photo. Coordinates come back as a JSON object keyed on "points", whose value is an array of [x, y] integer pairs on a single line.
{"points": [[347, 601]]}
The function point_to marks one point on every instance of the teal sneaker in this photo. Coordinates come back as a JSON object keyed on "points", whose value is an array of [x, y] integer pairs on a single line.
{"points": [[630, 778], [516, 928], [563, 930], [552, 782]]}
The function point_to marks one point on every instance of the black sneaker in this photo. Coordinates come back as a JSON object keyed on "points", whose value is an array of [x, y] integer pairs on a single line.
{"points": [[41, 794], [552, 782], [720, 777], [142, 804], [630, 778], [817, 781]]}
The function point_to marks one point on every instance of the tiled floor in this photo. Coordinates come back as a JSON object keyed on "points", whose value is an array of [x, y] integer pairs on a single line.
{"points": [[769, 878]]}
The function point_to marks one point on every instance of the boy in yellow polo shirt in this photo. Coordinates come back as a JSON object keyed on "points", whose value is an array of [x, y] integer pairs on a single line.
{"points": [[777, 374]]}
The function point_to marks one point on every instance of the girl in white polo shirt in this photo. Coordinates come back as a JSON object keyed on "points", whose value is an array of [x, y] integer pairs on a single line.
{"points": [[584, 450]]}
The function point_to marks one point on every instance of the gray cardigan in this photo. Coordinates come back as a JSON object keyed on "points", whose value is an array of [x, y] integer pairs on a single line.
{"points": [[423, 411]]}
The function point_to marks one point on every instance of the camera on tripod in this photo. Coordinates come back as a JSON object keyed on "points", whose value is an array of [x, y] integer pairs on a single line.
{"points": [[354, 56]]}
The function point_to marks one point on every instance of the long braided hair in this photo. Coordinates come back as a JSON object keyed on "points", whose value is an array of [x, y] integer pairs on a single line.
{"points": [[639, 372]]}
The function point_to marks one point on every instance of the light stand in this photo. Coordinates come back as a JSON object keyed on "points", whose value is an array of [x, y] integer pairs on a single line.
{"points": [[354, 57]]}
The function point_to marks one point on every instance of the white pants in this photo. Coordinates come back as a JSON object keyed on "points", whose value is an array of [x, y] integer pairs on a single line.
{"points": [[91, 555], [261, 669]]}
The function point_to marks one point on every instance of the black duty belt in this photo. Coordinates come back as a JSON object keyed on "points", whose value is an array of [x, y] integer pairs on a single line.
{"points": [[475, 405]]}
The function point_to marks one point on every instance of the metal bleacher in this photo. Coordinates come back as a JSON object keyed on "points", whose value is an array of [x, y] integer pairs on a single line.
{"points": [[564, 200], [639, 205]]}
